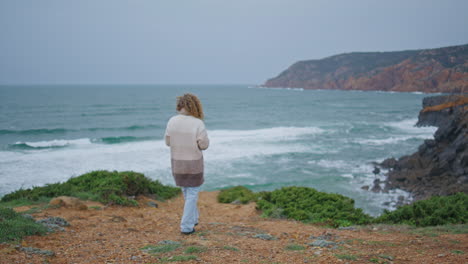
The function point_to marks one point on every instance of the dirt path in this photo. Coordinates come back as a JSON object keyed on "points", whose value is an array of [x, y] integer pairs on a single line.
{"points": [[226, 234]]}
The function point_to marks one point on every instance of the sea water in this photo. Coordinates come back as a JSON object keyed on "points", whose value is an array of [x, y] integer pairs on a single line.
{"points": [[260, 138]]}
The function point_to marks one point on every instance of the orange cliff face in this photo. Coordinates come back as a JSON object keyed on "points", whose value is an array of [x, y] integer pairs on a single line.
{"points": [[443, 70]]}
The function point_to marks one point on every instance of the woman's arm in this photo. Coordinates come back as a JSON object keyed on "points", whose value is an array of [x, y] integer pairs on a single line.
{"points": [[202, 138]]}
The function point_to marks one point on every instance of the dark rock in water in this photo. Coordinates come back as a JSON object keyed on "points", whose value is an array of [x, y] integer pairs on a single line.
{"points": [[376, 170], [440, 166], [389, 163], [365, 187], [376, 187]]}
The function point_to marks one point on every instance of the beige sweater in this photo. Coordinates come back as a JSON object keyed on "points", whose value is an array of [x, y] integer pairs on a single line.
{"points": [[187, 137]]}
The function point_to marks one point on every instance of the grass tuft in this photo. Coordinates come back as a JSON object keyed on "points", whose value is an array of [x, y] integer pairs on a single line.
{"points": [[155, 249], [294, 247], [231, 248], [194, 249], [346, 256]]}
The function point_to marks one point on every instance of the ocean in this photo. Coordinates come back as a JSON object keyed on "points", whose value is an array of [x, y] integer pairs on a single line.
{"points": [[261, 138]]}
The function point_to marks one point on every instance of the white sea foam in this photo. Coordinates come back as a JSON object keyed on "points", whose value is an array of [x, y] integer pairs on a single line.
{"points": [[391, 140], [409, 126], [56, 143], [274, 134], [338, 164], [280, 88], [347, 175], [150, 157]]}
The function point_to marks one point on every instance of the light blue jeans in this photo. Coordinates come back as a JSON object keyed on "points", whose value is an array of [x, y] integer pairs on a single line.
{"points": [[190, 217]]}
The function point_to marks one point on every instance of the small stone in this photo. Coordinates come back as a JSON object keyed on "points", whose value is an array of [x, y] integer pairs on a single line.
{"points": [[32, 250], [53, 223], [168, 242], [236, 202], [265, 236], [54, 220], [351, 228], [365, 187], [28, 216], [318, 253], [152, 204], [322, 243], [118, 219], [441, 255], [386, 257]]}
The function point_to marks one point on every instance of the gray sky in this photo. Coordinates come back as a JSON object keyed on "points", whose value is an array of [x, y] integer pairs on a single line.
{"points": [[207, 41]]}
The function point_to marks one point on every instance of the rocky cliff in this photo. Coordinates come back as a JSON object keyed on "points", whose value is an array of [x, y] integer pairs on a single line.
{"points": [[432, 70], [440, 166]]}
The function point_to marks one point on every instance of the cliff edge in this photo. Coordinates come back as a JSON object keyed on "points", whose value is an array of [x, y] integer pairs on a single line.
{"points": [[440, 166], [432, 70]]}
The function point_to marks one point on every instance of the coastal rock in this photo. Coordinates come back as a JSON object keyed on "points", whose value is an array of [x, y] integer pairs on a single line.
{"points": [[440, 166], [432, 70]]}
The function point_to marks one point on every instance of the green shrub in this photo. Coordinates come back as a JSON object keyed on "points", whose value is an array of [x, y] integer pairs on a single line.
{"points": [[14, 226], [239, 193], [437, 210], [103, 186], [309, 205]]}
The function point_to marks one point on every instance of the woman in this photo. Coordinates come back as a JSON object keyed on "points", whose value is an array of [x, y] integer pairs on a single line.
{"points": [[187, 137]]}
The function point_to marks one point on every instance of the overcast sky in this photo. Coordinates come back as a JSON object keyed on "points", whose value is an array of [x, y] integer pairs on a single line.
{"points": [[207, 41]]}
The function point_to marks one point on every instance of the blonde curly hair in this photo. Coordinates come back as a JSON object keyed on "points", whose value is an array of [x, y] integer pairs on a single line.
{"points": [[191, 104]]}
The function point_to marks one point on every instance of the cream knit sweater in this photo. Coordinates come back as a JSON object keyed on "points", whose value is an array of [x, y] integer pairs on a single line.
{"points": [[187, 137]]}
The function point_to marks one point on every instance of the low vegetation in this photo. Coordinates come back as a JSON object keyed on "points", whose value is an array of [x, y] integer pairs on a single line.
{"points": [[238, 193], [309, 205], [15, 226], [103, 186], [438, 210]]}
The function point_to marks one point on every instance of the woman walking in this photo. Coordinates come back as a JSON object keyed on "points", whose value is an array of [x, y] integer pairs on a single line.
{"points": [[187, 137]]}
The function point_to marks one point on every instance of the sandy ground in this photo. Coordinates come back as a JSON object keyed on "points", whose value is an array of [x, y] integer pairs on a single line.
{"points": [[225, 235]]}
